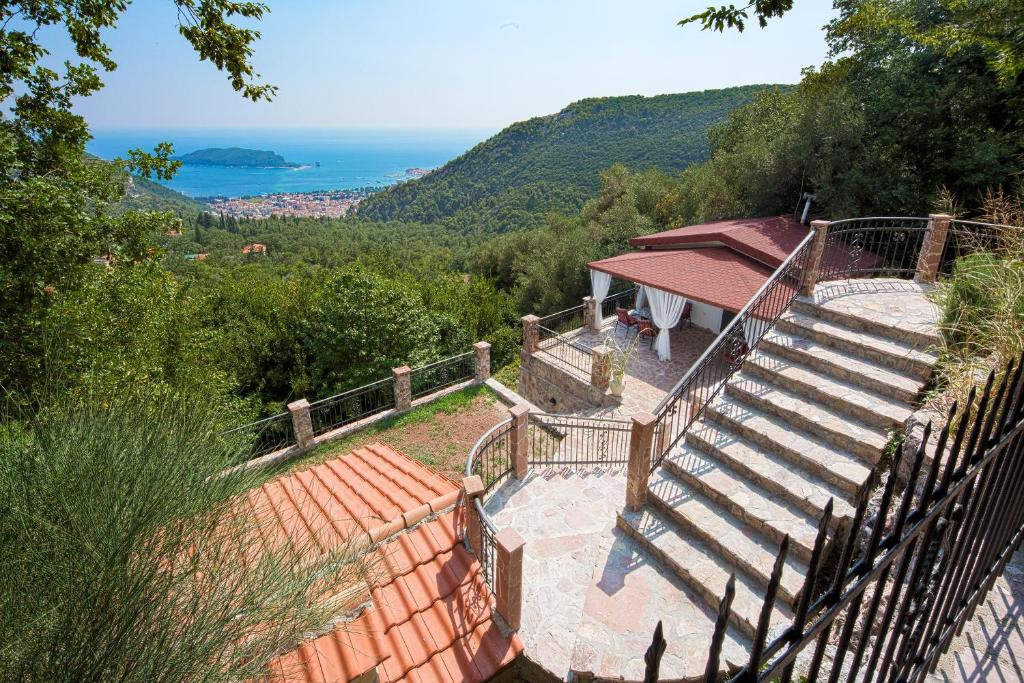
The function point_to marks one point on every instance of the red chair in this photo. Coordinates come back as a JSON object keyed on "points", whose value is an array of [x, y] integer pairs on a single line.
{"points": [[645, 328], [687, 308], [622, 317]]}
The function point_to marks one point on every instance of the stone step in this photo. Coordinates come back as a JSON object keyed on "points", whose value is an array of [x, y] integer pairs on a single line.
{"points": [[771, 472], [889, 352], [919, 336], [722, 490], [841, 468], [865, 405], [844, 366], [836, 428], [728, 535], [702, 568]]}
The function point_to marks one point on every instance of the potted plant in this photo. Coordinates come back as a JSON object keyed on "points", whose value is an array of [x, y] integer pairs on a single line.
{"points": [[622, 354]]}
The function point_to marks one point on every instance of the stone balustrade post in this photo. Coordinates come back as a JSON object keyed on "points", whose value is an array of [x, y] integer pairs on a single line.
{"points": [[508, 576], [638, 472], [403, 387], [812, 266], [473, 489], [931, 248], [302, 423], [482, 351], [591, 314], [519, 439], [600, 367], [531, 335]]}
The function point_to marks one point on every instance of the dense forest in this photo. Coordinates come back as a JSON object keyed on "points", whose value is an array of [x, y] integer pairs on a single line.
{"points": [[550, 163]]}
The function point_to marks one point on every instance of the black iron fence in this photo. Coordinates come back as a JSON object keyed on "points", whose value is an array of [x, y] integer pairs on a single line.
{"points": [[351, 406], [702, 382], [565, 440], [884, 602], [624, 299], [267, 435], [885, 246], [491, 456], [443, 374], [564, 321], [564, 349], [968, 237]]}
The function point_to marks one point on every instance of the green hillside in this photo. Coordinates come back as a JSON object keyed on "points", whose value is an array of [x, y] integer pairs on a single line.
{"points": [[551, 163], [235, 156], [147, 195]]}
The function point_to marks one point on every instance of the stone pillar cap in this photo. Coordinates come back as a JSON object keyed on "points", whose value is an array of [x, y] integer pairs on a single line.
{"points": [[509, 539], [644, 418], [518, 410], [401, 370], [482, 345], [473, 485], [298, 405]]}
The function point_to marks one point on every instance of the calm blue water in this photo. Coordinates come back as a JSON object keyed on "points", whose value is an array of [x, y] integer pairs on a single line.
{"points": [[348, 158]]}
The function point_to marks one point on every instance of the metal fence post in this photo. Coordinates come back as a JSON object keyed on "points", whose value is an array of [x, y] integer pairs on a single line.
{"points": [[519, 440], [403, 387], [473, 488], [482, 370], [931, 248], [508, 576], [638, 471], [302, 423], [812, 266]]}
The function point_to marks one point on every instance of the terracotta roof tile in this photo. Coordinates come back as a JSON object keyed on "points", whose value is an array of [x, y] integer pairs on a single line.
{"points": [[430, 620]]}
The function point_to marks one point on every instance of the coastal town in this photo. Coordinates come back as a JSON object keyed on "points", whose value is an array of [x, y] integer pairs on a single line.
{"points": [[326, 204]]}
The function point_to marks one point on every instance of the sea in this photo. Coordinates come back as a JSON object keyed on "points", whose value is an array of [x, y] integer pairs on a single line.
{"points": [[331, 159]]}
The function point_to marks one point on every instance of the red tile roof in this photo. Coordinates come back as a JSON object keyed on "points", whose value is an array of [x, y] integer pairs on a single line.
{"points": [[713, 275], [768, 240], [430, 619]]}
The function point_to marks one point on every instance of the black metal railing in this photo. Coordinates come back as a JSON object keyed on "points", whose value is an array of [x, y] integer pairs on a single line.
{"points": [[968, 237], [491, 456], [486, 553], [681, 407], [566, 440], [884, 246], [351, 406], [564, 321], [442, 374], [267, 435], [624, 299], [886, 599], [565, 350]]}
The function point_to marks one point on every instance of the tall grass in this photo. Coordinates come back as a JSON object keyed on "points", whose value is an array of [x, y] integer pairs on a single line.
{"points": [[983, 301], [127, 558]]}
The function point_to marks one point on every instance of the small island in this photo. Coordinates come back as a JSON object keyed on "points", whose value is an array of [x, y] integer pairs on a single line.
{"points": [[236, 156]]}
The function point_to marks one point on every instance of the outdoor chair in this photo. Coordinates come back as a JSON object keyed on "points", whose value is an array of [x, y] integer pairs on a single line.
{"points": [[622, 317], [685, 317], [645, 328]]}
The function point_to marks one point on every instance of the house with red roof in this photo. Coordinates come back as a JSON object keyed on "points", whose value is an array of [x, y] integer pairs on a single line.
{"points": [[254, 248], [427, 615]]}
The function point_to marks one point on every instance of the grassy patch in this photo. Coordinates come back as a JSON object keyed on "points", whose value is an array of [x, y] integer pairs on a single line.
{"points": [[438, 434], [509, 375]]}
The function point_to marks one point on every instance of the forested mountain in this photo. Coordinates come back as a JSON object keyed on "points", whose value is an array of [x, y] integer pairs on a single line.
{"points": [[235, 156], [146, 195], [551, 163]]}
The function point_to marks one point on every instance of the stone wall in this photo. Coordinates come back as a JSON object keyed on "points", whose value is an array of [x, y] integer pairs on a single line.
{"points": [[554, 390]]}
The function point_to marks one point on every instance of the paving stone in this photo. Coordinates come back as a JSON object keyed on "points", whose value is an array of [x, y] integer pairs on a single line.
{"points": [[770, 471], [726, 533], [861, 404], [690, 471], [896, 354], [836, 428], [845, 366], [901, 309]]}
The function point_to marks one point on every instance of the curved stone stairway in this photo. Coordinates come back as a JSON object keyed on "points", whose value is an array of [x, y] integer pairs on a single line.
{"points": [[804, 420]]}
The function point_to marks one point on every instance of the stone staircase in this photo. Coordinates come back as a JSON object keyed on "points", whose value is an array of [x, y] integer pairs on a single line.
{"points": [[804, 420]]}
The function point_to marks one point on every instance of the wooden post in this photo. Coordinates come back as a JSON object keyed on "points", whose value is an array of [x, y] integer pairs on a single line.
{"points": [[302, 423], [508, 576], [519, 439], [403, 388], [931, 248], [638, 471], [473, 488], [812, 266]]}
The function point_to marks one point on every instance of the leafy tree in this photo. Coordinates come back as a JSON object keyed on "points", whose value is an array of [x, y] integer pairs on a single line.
{"points": [[723, 17]]}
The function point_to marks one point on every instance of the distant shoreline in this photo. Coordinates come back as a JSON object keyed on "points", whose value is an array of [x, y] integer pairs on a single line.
{"points": [[311, 204]]}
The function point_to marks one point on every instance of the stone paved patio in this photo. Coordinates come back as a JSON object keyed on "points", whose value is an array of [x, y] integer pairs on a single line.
{"points": [[591, 596], [895, 303]]}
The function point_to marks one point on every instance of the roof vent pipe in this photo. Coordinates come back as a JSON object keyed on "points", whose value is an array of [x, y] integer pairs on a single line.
{"points": [[809, 196]]}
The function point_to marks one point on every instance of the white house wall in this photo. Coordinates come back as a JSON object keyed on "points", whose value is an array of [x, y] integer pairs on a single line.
{"points": [[708, 317]]}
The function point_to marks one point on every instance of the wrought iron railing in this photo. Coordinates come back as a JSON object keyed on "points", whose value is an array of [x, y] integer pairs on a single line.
{"points": [[442, 374], [967, 237], [487, 550], [351, 406], [872, 247], [622, 299], [491, 456], [574, 441], [267, 435], [681, 407], [904, 581], [564, 349], [564, 321]]}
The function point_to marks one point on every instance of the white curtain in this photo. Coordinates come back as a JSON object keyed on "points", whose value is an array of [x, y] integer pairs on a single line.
{"points": [[666, 309], [639, 297], [599, 284]]}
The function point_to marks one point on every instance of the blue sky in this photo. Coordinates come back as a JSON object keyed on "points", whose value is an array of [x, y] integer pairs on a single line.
{"points": [[441, 64]]}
